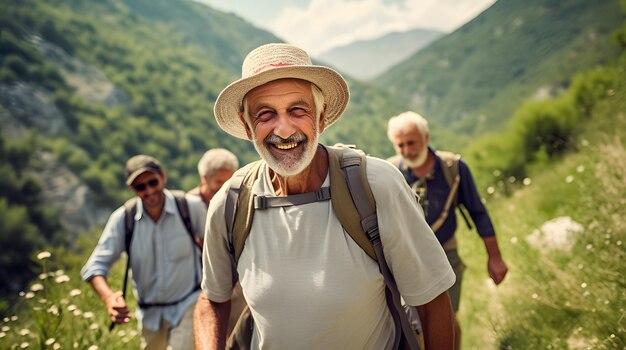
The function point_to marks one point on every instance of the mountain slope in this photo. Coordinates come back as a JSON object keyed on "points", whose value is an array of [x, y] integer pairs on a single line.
{"points": [[471, 80], [366, 59]]}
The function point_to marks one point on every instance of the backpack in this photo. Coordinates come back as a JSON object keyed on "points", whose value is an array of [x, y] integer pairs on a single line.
{"points": [[130, 209], [450, 169], [353, 203]]}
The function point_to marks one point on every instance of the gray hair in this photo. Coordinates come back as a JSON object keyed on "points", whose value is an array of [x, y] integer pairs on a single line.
{"points": [[216, 159], [403, 120], [318, 100]]}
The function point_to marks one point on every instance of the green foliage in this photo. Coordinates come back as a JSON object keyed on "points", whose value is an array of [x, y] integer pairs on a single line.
{"points": [[540, 131]]}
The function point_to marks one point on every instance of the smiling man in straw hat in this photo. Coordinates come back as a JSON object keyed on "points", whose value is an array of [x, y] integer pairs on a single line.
{"points": [[308, 284]]}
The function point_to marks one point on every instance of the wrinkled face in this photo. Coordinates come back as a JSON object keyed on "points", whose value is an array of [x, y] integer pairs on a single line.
{"points": [[411, 145], [149, 187], [284, 125], [215, 182]]}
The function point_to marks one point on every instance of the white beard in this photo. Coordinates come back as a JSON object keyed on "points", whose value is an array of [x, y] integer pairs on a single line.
{"points": [[419, 161], [291, 164]]}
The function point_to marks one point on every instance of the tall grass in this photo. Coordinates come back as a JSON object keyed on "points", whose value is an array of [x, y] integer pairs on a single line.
{"points": [[60, 311], [571, 296]]}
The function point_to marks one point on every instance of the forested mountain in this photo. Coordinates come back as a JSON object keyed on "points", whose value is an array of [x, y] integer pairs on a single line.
{"points": [[471, 80], [366, 59]]}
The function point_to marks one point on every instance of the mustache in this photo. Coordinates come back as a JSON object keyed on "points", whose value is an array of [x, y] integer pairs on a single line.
{"points": [[273, 138]]}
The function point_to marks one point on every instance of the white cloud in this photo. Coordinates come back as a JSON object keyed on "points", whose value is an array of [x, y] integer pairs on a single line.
{"points": [[324, 24]]}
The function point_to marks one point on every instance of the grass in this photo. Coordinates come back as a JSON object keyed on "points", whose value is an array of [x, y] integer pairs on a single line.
{"points": [[60, 311], [569, 298]]}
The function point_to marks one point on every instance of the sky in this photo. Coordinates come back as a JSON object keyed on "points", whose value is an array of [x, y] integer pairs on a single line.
{"points": [[319, 25]]}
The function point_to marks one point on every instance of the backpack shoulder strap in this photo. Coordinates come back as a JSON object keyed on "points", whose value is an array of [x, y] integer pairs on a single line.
{"points": [[449, 165], [130, 210], [183, 210], [450, 168], [343, 200], [239, 210]]}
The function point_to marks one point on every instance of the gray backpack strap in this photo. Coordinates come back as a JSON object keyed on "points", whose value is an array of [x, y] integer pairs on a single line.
{"points": [[369, 221], [265, 202]]}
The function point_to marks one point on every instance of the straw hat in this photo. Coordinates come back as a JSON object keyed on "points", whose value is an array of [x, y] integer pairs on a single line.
{"points": [[277, 61]]}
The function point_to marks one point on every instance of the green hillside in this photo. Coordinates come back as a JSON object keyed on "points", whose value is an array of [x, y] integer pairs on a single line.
{"points": [[473, 79]]}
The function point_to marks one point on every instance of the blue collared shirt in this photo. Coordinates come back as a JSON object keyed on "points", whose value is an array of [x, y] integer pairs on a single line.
{"points": [[437, 193], [164, 261]]}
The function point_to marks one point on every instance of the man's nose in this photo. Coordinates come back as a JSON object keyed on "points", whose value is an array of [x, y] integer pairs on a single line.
{"points": [[284, 127]]}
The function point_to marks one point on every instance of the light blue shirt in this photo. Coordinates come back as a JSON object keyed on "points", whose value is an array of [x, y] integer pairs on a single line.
{"points": [[164, 261]]}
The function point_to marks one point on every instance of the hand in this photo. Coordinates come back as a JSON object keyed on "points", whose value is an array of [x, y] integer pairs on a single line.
{"points": [[497, 269], [117, 308]]}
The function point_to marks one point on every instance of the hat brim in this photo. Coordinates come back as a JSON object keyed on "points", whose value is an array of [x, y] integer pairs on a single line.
{"points": [[331, 83], [135, 174]]}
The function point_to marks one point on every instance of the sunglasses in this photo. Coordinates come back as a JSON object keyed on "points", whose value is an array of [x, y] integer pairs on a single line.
{"points": [[142, 186]]}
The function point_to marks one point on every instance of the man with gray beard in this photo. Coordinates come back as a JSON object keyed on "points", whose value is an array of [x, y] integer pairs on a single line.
{"points": [[425, 171], [307, 283]]}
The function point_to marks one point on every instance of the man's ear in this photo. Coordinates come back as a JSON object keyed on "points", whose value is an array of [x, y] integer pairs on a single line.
{"points": [[245, 125], [164, 177], [322, 122]]}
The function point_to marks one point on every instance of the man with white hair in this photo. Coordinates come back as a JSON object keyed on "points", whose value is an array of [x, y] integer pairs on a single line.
{"points": [[440, 189], [215, 167], [307, 283]]}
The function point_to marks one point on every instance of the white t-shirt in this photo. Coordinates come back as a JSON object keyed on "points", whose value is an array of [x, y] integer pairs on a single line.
{"points": [[309, 285]]}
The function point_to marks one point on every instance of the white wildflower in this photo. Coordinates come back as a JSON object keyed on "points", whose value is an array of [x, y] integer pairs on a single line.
{"points": [[94, 326], [43, 276], [62, 279], [491, 190], [56, 346], [24, 331], [29, 295], [36, 287], [93, 347], [59, 272], [527, 181], [13, 318], [24, 345], [6, 328], [580, 168], [75, 292], [88, 314], [2, 335], [77, 312], [569, 179], [50, 341], [43, 255]]}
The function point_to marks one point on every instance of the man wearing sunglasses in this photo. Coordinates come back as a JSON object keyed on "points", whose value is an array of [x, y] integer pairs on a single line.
{"points": [[163, 258]]}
